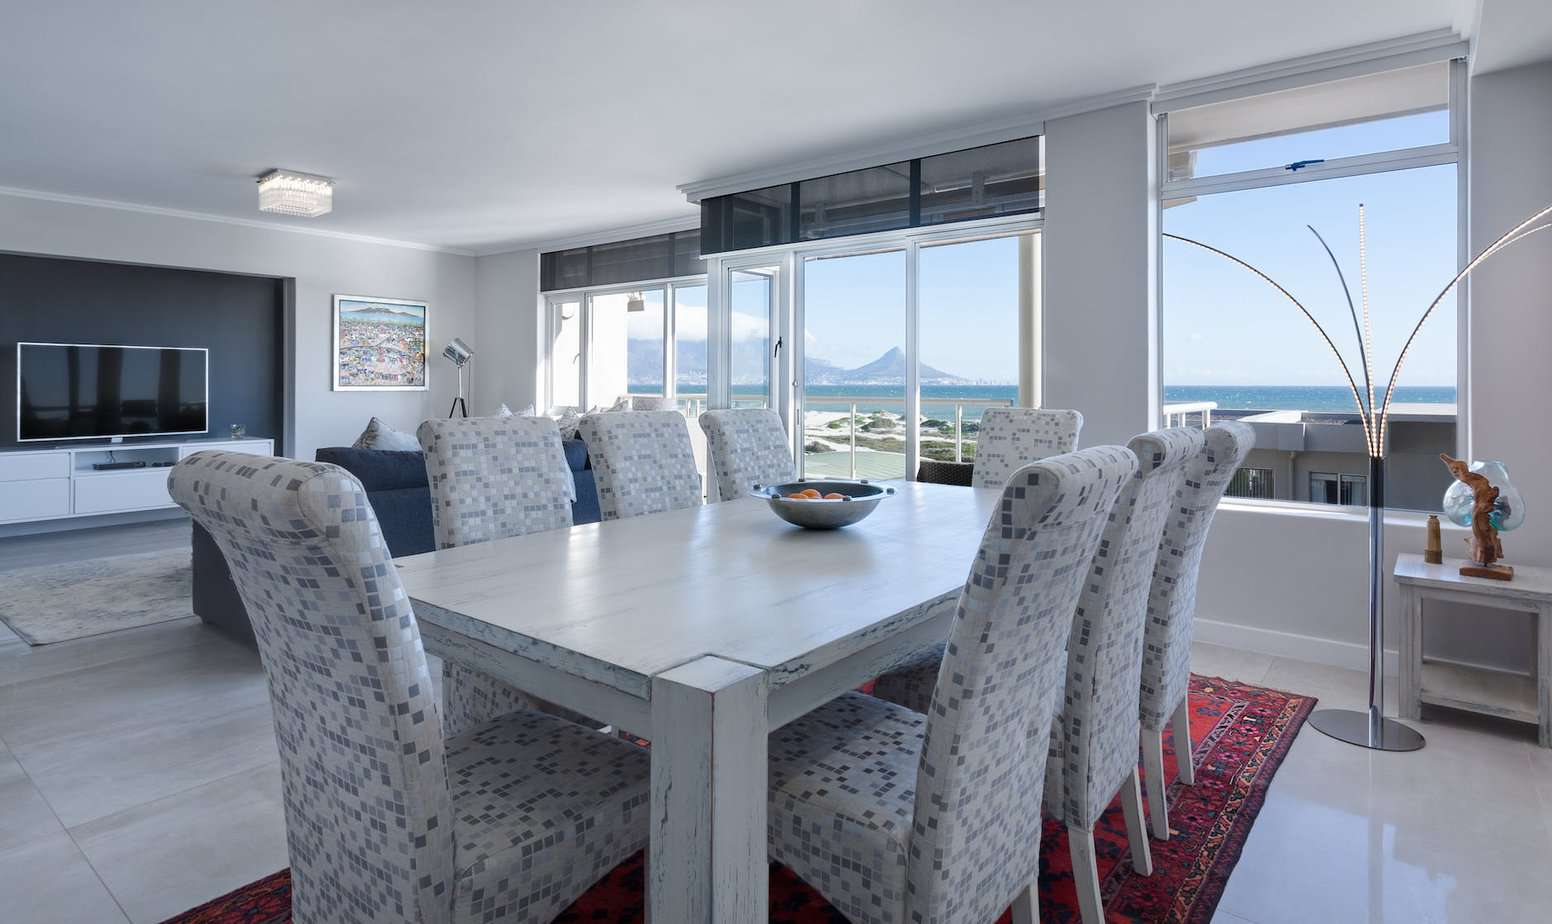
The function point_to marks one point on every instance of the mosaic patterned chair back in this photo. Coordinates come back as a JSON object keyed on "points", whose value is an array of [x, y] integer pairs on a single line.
{"points": [[975, 835], [1166, 658], [1013, 437], [368, 810], [642, 462], [747, 446], [1099, 730], [493, 477]]}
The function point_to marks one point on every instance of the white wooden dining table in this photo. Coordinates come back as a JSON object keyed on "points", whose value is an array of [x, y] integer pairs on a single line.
{"points": [[703, 630]]}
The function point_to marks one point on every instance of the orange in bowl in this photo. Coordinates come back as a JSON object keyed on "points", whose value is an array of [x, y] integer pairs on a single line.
{"points": [[834, 496]]}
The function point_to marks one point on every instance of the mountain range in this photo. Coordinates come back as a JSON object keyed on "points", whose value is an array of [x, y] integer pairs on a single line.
{"points": [[888, 369]]}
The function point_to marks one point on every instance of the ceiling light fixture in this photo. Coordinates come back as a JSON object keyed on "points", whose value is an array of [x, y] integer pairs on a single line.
{"points": [[286, 192]]}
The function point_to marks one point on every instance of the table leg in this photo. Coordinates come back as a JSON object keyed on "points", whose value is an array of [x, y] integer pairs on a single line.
{"points": [[1411, 653], [707, 861], [1544, 673]]}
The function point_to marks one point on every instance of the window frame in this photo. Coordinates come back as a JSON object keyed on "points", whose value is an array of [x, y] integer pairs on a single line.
{"points": [[583, 297], [1455, 151], [788, 397]]}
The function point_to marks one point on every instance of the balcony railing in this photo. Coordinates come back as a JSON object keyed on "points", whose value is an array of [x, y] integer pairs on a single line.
{"points": [[1179, 412], [893, 463]]}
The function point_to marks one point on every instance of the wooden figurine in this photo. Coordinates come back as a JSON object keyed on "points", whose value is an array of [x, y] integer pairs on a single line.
{"points": [[1486, 548]]}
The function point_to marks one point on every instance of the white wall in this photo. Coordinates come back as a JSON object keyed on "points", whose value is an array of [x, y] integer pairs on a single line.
{"points": [[322, 267], [1099, 245], [1511, 296], [508, 325]]}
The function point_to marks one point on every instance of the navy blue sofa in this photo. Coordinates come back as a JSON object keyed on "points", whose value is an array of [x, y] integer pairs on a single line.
{"points": [[400, 495]]}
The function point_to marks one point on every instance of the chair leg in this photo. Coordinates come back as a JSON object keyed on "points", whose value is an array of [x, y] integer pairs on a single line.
{"points": [[1085, 874], [1136, 834], [1153, 778], [1026, 907], [1184, 758]]}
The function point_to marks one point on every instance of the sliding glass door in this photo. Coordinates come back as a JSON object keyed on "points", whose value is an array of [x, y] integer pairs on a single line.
{"points": [[903, 348], [855, 420]]}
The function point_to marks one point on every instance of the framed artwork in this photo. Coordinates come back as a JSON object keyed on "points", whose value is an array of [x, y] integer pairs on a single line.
{"points": [[380, 343]]}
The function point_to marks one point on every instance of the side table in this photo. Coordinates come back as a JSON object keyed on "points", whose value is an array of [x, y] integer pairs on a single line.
{"points": [[1458, 686]]}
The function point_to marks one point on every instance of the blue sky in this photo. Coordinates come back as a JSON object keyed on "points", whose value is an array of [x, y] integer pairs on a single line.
{"points": [[1222, 325]]}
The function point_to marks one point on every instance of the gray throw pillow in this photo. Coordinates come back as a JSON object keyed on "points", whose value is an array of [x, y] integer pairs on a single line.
{"points": [[379, 435]]}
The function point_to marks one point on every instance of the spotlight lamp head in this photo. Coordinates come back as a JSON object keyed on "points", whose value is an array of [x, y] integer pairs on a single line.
{"points": [[458, 352]]}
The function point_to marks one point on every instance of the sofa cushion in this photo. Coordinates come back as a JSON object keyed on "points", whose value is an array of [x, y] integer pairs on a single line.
{"points": [[576, 454], [379, 469]]}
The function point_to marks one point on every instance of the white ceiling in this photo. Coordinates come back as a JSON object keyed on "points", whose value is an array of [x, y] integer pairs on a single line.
{"points": [[478, 125]]}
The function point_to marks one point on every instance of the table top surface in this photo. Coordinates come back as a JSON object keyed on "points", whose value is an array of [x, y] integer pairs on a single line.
{"points": [[622, 601], [1530, 582]]}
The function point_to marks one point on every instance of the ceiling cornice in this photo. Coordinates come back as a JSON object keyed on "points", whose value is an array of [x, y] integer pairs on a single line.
{"points": [[600, 236], [924, 145], [225, 220]]}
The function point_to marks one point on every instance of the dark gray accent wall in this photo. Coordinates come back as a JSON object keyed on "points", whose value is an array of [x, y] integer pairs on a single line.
{"points": [[240, 319]]}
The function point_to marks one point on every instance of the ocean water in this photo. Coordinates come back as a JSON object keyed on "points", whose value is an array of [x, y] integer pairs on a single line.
{"points": [[1229, 397]]}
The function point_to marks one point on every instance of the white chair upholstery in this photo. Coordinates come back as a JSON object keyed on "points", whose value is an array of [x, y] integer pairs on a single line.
{"points": [[389, 821], [1094, 739], [747, 446], [895, 816], [490, 478], [642, 462], [1166, 658], [1012, 437]]}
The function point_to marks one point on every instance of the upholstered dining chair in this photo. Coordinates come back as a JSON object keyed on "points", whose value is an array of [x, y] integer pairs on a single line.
{"points": [[642, 461], [896, 816], [388, 819], [747, 446], [491, 478], [1166, 655], [1012, 437], [1094, 737]]}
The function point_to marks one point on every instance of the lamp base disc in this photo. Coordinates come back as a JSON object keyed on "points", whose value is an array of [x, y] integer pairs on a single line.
{"points": [[1352, 726]]}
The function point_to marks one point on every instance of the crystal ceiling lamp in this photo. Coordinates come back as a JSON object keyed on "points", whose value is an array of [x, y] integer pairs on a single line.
{"points": [[286, 192]]}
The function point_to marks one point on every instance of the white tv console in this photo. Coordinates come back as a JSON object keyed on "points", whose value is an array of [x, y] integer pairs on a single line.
{"points": [[60, 482]]}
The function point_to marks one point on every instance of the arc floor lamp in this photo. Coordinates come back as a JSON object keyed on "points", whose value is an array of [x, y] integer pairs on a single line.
{"points": [[1369, 728]]}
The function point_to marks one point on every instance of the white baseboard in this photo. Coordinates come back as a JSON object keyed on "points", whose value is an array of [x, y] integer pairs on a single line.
{"points": [[1290, 645]]}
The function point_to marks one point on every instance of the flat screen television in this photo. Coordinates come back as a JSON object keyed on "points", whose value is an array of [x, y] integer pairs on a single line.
{"points": [[82, 391]]}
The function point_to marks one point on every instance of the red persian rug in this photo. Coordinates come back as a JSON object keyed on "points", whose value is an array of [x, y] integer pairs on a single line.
{"points": [[1242, 734]]}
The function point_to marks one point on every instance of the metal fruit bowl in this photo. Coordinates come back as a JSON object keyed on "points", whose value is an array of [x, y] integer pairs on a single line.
{"points": [[860, 497]]}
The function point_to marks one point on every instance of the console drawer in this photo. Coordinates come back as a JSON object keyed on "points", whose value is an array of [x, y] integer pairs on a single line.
{"points": [[252, 447], [25, 466], [107, 492], [34, 500]]}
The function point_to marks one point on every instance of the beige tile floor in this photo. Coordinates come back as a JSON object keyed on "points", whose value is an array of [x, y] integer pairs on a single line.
{"points": [[139, 777]]}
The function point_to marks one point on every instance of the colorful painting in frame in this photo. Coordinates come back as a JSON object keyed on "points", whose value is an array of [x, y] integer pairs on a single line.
{"points": [[380, 344]]}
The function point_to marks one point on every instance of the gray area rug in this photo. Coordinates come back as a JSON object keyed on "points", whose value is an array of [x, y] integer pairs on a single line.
{"points": [[56, 603]]}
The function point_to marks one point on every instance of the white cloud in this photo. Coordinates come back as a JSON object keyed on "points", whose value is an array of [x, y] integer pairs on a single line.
{"points": [[690, 324]]}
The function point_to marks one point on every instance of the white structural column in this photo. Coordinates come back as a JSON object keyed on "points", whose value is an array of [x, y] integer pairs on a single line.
{"points": [[707, 862], [1100, 240]]}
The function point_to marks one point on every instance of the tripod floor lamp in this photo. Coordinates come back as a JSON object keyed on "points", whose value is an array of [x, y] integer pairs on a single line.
{"points": [[460, 354], [1369, 728]]}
